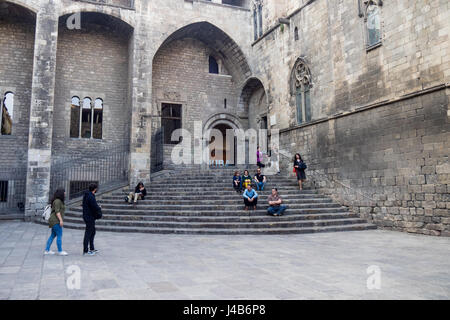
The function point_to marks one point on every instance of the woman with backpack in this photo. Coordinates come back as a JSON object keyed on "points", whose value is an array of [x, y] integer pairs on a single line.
{"points": [[299, 169], [56, 223]]}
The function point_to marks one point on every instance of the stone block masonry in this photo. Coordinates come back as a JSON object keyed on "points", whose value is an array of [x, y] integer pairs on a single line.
{"points": [[389, 163]]}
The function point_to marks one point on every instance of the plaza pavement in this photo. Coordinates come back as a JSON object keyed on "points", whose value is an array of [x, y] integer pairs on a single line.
{"points": [[146, 266]]}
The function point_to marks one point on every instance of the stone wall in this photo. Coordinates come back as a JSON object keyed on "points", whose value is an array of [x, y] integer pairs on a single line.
{"points": [[16, 71], [92, 62], [389, 162]]}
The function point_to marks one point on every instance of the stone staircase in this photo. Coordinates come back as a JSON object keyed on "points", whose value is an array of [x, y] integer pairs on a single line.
{"points": [[204, 202]]}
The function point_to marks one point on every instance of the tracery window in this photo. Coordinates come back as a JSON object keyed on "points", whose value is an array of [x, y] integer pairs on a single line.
{"points": [[371, 11], [302, 89]]}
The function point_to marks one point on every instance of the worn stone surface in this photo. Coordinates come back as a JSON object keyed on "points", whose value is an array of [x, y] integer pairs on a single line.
{"points": [[319, 266], [390, 162]]}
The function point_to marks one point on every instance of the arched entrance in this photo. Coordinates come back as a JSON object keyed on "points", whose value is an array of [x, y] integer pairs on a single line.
{"points": [[223, 151], [222, 145]]}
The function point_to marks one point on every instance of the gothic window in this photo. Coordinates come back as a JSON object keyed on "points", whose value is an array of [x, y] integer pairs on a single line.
{"points": [[7, 113], [213, 65], [75, 118], [98, 119], [86, 118], [255, 24], [296, 37], [170, 121], [370, 10], [257, 19], [302, 89], [260, 20]]}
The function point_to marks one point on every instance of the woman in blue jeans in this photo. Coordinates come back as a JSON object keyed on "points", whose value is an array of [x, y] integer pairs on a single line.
{"points": [[56, 223]]}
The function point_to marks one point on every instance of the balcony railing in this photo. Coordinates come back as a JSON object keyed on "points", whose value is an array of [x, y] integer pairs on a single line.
{"points": [[126, 4]]}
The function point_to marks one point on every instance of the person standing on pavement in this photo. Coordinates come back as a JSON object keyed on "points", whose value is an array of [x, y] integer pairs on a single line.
{"points": [[91, 212], [56, 223]]}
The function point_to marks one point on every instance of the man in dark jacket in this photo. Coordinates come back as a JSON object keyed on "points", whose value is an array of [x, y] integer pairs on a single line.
{"points": [[91, 212]]}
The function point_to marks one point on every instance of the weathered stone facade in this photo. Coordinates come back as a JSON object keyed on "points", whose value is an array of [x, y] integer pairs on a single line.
{"points": [[378, 139]]}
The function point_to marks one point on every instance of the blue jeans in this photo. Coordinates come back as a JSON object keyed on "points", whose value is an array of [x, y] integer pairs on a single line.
{"points": [[276, 209], [260, 186], [57, 232]]}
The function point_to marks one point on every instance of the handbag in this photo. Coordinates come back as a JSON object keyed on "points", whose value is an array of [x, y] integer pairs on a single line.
{"points": [[294, 170]]}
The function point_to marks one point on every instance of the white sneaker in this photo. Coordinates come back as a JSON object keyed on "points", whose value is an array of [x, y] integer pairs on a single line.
{"points": [[48, 252], [63, 253]]}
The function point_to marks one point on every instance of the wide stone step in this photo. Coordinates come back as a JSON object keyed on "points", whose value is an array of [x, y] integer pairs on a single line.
{"points": [[218, 193], [231, 225], [225, 197], [211, 201], [239, 231], [211, 207], [77, 217], [260, 211]]}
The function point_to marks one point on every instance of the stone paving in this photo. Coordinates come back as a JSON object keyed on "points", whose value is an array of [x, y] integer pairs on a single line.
{"points": [[146, 266]]}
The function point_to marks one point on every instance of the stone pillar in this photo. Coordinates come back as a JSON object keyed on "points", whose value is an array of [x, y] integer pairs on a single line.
{"points": [[140, 144], [41, 111]]}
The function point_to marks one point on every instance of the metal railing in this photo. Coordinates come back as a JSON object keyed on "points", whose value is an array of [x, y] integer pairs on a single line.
{"points": [[107, 168], [12, 190]]}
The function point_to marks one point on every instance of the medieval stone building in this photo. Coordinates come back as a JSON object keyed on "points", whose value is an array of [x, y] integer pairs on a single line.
{"points": [[360, 88]]}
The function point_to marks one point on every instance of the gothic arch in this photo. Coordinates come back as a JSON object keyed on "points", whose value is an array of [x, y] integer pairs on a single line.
{"points": [[88, 7], [300, 75], [219, 41]]}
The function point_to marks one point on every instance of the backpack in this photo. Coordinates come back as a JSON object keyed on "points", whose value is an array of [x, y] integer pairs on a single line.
{"points": [[47, 213]]}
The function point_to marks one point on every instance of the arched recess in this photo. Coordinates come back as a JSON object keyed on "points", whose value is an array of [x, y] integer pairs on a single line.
{"points": [[80, 7], [17, 37], [32, 10], [93, 61], [222, 44], [254, 102]]}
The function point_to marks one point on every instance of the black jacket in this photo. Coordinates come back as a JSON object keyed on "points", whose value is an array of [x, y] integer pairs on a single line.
{"points": [[143, 192], [91, 210]]}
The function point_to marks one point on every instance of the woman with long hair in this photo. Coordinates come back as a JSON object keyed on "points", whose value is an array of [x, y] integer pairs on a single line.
{"points": [[246, 179], [299, 167], [56, 223]]}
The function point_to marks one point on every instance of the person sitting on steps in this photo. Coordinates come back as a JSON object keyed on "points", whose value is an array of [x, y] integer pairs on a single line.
{"points": [[260, 180], [138, 194], [275, 204], [246, 179], [250, 197], [237, 182]]}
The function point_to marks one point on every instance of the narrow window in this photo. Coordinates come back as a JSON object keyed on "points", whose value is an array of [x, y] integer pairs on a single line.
{"points": [[373, 25], [170, 121], [213, 65], [3, 191], [299, 105], [255, 24], [86, 118], [75, 118], [7, 113], [224, 103], [296, 37], [260, 20], [98, 119]]}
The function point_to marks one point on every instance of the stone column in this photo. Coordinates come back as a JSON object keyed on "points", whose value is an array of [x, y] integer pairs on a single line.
{"points": [[41, 111], [140, 144]]}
